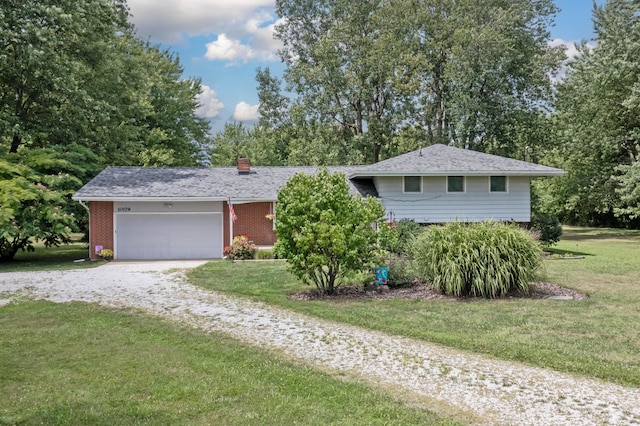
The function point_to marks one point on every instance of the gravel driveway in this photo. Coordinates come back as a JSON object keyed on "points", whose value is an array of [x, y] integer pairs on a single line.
{"points": [[489, 391]]}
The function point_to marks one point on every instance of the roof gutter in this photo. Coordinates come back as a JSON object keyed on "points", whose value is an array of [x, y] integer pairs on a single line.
{"points": [[151, 199], [539, 173]]}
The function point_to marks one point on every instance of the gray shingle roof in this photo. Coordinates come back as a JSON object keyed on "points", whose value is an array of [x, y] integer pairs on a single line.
{"points": [[263, 183], [220, 183], [438, 159]]}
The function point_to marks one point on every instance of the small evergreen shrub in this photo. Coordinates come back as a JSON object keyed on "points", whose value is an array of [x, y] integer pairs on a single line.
{"points": [[488, 259], [240, 249], [547, 228]]}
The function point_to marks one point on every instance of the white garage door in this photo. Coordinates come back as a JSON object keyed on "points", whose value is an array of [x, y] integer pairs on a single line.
{"points": [[168, 236]]}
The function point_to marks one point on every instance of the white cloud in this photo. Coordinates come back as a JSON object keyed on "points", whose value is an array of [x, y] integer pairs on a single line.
{"points": [[262, 36], [570, 47], [169, 21], [572, 52], [210, 105], [243, 28], [260, 43], [232, 51], [246, 113]]}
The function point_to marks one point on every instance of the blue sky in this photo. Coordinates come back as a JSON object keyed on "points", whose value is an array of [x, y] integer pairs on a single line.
{"points": [[222, 42]]}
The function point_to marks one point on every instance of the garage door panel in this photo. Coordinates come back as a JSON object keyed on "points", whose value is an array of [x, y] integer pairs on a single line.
{"points": [[169, 236]]}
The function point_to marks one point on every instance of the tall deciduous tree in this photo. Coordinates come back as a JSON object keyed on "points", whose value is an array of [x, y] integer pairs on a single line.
{"points": [[35, 196], [340, 62], [598, 120], [236, 140], [78, 89], [469, 73], [74, 72], [46, 45], [273, 106]]}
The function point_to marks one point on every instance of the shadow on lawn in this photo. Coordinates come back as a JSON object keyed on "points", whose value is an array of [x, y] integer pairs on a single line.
{"points": [[562, 252], [582, 234]]}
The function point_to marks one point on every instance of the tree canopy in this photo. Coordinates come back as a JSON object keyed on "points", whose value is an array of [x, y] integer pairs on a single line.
{"points": [[35, 196], [80, 91], [463, 73], [74, 72], [597, 123]]}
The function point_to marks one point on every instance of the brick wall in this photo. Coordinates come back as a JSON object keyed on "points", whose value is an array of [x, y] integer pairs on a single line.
{"points": [[100, 226], [252, 222]]}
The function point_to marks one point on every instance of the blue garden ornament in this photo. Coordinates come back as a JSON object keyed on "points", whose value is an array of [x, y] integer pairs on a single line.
{"points": [[382, 276]]}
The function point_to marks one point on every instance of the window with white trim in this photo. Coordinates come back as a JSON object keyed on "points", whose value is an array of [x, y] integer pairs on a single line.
{"points": [[498, 184], [412, 184], [455, 184]]}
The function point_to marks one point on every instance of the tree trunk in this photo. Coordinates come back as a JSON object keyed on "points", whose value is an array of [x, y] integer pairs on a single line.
{"points": [[15, 143], [376, 152], [8, 250]]}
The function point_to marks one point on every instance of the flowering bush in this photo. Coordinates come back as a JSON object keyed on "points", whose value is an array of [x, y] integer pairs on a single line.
{"points": [[240, 249], [106, 254]]}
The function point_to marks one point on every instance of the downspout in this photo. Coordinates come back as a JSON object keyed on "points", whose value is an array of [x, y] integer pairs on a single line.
{"points": [[85, 206]]}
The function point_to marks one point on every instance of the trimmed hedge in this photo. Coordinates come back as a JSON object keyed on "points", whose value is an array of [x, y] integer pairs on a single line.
{"points": [[487, 259]]}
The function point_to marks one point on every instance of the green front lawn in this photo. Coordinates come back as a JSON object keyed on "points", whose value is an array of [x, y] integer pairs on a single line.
{"points": [[78, 364], [598, 337]]}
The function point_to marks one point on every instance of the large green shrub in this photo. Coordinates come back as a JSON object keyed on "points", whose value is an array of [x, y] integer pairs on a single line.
{"points": [[35, 197], [488, 259], [323, 231]]}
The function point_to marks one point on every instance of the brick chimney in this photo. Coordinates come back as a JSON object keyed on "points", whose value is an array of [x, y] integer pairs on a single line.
{"points": [[244, 166]]}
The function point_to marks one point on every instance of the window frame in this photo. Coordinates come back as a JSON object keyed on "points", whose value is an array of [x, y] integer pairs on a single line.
{"points": [[464, 185], [506, 184], [404, 185]]}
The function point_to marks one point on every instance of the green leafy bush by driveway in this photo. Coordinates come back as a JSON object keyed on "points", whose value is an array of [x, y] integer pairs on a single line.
{"points": [[488, 259], [324, 232]]}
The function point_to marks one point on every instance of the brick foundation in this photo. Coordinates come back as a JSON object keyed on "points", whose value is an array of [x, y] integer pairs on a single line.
{"points": [[100, 226]]}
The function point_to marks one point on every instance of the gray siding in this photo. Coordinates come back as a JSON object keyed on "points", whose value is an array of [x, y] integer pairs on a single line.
{"points": [[435, 205]]}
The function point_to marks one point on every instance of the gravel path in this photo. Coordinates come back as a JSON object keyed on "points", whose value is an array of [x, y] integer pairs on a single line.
{"points": [[489, 391]]}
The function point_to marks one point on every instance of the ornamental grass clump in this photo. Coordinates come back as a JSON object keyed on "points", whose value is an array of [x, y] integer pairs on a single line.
{"points": [[488, 259]]}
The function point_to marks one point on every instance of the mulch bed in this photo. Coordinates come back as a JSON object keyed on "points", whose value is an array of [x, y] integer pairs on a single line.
{"points": [[541, 290]]}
